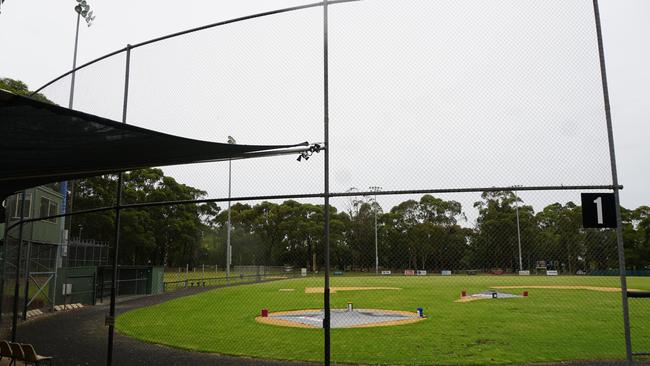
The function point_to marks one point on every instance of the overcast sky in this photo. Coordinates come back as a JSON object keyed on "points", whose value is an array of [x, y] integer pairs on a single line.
{"points": [[424, 94]]}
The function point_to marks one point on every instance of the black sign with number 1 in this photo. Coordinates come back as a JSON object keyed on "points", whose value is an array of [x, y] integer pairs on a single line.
{"points": [[598, 210]]}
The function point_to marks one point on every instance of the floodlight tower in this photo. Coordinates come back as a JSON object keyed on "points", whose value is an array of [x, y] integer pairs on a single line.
{"points": [[83, 11], [231, 141], [376, 189]]}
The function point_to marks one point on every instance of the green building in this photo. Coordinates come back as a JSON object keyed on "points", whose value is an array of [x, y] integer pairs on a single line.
{"points": [[58, 270], [39, 201], [41, 244]]}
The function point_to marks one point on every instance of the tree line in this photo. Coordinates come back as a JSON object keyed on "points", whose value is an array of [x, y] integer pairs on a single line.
{"points": [[429, 233]]}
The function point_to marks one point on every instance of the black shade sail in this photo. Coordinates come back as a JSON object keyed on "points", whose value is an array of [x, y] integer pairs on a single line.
{"points": [[42, 143]]}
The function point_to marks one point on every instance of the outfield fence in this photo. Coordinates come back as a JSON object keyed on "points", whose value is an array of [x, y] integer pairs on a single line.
{"points": [[443, 223]]}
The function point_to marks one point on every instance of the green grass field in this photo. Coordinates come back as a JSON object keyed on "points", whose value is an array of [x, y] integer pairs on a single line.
{"points": [[550, 325]]}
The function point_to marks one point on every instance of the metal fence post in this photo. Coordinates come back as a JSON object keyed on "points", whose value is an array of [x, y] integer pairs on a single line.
{"points": [[3, 253], [326, 289], [14, 323], [28, 253], [612, 157], [111, 316]]}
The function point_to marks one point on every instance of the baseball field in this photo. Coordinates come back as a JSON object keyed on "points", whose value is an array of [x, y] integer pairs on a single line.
{"points": [[562, 318]]}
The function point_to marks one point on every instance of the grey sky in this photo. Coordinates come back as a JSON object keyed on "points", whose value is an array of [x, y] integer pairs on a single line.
{"points": [[424, 94]]}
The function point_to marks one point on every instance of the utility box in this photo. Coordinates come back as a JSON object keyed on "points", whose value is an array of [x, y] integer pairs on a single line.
{"points": [[157, 280]]}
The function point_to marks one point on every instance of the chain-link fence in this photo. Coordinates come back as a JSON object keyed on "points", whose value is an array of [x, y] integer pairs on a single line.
{"points": [[460, 137]]}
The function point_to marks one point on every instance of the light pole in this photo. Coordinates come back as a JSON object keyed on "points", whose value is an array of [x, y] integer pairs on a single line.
{"points": [[83, 11], [376, 189], [518, 231], [231, 141]]}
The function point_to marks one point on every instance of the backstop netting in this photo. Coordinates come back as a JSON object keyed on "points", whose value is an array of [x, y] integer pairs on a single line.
{"points": [[460, 138]]}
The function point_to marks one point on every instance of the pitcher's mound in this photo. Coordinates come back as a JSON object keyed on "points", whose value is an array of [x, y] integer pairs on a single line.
{"points": [[333, 290], [489, 294], [358, 318]]}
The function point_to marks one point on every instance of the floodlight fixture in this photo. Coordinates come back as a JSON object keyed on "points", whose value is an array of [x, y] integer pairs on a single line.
{"points": [[83, 9], [313, 148]]}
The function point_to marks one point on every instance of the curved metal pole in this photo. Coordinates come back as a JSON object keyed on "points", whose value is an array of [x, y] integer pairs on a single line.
{"points": [[192, 30]]}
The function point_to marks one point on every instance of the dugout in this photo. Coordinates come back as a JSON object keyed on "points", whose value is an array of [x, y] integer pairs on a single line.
{"points": [[89, 284], [131, 280]]}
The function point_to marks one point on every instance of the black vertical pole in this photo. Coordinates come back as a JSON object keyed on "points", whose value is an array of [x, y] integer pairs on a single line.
{"points": [[5, 244], [28, 254], [612, 157], [14, 322], [326, 292], [118, 209]]}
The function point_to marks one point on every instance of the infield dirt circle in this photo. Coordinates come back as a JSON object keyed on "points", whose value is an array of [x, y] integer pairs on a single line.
{"points": [[340, 318]]}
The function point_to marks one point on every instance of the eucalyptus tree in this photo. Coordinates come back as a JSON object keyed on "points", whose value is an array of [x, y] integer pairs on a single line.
{"points": [[494, 243]]}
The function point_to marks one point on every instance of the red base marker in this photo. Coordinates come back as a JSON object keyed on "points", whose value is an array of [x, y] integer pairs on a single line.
{"points": [[265, 313], [525, 293], [463, 294]]}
